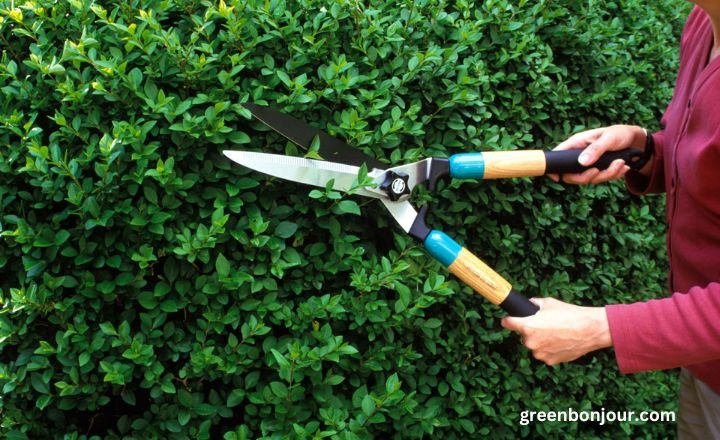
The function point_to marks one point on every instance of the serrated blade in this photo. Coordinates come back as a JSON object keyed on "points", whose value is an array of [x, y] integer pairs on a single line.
{"points": [[302, 134], [307, 171]]}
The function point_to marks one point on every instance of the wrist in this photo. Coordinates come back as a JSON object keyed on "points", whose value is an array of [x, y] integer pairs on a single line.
{"points": [[600, 328]]}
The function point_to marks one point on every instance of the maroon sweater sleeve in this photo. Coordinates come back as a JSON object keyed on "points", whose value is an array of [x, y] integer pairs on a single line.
{"points": [[646, 335]]}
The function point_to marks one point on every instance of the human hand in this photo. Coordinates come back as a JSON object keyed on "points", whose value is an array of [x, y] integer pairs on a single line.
{"points": [[595, 142], [561, 332]]}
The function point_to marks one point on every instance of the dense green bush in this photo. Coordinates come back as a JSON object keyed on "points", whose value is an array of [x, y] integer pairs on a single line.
{"points": [[152, 289]]}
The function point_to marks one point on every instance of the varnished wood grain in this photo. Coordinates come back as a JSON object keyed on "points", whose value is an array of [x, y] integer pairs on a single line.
{"points": [[505, 164], [478, 275]]}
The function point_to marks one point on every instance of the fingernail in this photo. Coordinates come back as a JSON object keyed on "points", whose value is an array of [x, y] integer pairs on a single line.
{"points": [[583, 158]]}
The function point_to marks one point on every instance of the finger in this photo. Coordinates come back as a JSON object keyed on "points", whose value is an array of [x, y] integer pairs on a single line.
{"points": [[580, 140], [591, 154], [596, 149], [512, 323], [554, 177], [547, 303], [623, 171], [540, 302], [582, 178], [615, 171]]}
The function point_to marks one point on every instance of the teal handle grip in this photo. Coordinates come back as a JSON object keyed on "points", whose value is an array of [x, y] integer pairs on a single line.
{"points": [[478, 275], [442, 247], [467, 166]]}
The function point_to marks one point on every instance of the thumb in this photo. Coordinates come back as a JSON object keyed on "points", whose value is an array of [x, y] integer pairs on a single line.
{"points": [[543, 303], [592, 153], [518, 324]]}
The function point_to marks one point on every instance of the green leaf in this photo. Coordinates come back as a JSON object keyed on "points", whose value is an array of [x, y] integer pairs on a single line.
{"points": [[368, 405], [413, 63], [61, 237], [150, 194], [185, 398], [108, 329], [279, 389], [239, 137], [183, 417], [432, 323], [235, 397], [147, 300], [285, 229], [392, 383], [348, 207], [246, 183], [39, 384], [283, 364], [334, 379], [205, 410], [84, 358], [222, 265], [284, 78], [404, 297], [316, 194], [135, 76], [16, 435]]}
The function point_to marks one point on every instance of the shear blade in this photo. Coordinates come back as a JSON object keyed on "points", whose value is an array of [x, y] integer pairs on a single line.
{"points": [[307, 171], [302, 134]]}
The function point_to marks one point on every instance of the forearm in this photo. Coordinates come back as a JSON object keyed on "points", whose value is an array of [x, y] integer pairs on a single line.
{"points": [[666, 333]]}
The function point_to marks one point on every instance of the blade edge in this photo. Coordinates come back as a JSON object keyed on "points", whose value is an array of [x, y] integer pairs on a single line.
{"points": [[307, 171]]}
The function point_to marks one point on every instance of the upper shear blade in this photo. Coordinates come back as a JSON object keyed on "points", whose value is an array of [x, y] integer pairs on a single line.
{"points": [[302, 134]]}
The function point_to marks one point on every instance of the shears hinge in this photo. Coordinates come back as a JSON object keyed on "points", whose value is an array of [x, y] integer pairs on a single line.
{"points": [[395, 185]]}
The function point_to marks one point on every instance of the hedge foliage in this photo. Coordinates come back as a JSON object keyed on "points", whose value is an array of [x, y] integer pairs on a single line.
{"points": [[152, 289]]}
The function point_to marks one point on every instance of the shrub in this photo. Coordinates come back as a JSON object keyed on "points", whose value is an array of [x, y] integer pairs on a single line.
{"points": [[152, 289]]}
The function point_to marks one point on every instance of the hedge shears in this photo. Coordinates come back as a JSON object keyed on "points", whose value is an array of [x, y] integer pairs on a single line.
{"points": [[341, 164]]}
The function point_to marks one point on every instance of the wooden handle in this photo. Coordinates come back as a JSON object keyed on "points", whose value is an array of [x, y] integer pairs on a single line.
{"points": [[478, 275], [507, 164]]}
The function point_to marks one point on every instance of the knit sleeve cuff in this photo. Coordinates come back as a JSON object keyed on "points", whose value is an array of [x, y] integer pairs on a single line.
{"points": [[620, 319], [654, 183]]}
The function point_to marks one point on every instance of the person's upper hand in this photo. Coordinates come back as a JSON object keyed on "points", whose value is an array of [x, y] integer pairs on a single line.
{"points": [[595, 142]]}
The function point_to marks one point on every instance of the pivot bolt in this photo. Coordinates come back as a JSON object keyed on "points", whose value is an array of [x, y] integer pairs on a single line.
{"points": [[396, 185]]}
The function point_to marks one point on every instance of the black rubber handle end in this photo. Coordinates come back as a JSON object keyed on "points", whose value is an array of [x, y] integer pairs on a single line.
{"points": [[518, 305], [566, 161]]}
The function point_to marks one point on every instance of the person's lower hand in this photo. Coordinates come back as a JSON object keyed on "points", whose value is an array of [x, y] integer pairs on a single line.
{"points": [[595, 143], [561, 332]]}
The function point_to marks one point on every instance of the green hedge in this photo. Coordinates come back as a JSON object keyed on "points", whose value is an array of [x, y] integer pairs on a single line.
{"points": [[152, 289]]}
